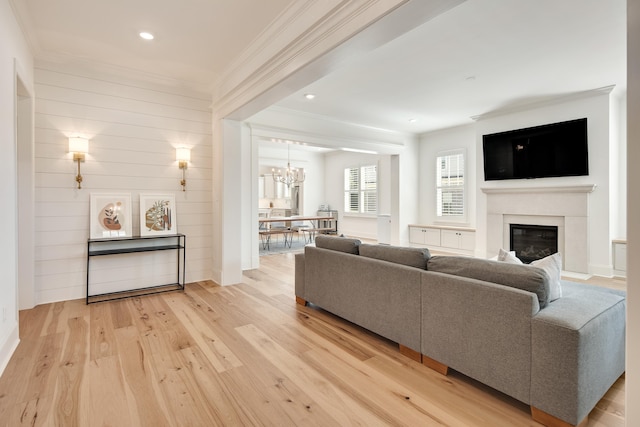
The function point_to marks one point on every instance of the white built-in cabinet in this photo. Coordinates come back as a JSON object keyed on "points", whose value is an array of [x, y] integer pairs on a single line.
{"points": [[447, 239], [424, 236], [620, 258], [261, 187], [272, 189]]}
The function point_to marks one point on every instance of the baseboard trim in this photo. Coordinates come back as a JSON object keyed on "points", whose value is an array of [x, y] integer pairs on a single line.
{"points": [[9, 347]]}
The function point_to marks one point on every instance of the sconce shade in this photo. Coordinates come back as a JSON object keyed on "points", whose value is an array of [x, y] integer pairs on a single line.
{"points": [[78, 145], [183, 154]]}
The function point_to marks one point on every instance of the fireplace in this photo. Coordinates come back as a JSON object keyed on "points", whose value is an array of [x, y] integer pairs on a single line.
{"points": [[532, 242], [566, 207]]}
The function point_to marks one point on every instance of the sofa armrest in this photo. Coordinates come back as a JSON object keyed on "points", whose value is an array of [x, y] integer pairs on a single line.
{"points": [[299, 277], [578, 351]]}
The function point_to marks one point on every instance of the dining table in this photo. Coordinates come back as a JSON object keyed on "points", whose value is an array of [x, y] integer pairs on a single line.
{"points": [[317, 224]]}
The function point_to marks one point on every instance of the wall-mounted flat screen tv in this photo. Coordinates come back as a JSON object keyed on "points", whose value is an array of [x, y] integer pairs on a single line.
{"points": [[552, 150]]}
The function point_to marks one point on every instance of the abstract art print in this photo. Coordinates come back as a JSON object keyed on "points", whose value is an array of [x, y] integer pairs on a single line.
{"points": [[110, 215], [157, 214]]}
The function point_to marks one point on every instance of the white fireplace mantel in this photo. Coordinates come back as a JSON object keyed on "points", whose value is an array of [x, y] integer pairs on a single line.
{"points": [[589, 188], [564, 206]]}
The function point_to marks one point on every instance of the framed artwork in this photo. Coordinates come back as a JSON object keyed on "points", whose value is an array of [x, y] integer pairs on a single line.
{"points": [[110, 215], [157, 214]]}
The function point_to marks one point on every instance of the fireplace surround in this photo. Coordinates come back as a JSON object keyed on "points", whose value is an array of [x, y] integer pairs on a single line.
{"points": [[565, 207]]}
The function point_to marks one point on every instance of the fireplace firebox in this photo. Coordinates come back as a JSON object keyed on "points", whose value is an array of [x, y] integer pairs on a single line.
{"points": [[532, 242]]}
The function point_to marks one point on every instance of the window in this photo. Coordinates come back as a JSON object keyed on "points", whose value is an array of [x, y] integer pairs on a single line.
{"points": [[450, 184], [361, 189]]}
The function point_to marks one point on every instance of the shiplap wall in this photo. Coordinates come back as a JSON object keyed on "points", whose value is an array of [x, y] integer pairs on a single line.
{"points": [[133, 129]]}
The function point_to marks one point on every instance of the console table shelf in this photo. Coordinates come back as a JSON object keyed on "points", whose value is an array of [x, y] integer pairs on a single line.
{"points": [[120, 246]]}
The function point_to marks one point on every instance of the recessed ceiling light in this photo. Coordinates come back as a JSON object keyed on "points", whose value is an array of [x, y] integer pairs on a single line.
{"points": [[309, 95], [413, 120], [146, 36]]}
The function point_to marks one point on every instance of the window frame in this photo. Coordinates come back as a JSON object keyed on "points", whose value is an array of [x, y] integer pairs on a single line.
{"points": [[362, 199], [461, 189]]}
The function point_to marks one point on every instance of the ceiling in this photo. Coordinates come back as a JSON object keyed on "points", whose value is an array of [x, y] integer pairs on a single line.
{"points": [[195, 40], [479, 57]]}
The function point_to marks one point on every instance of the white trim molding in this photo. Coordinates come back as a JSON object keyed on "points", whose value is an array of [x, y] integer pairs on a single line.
{"points": [[589, 188]]}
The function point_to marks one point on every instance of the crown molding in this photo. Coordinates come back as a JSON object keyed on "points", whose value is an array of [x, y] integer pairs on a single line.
{"points": [[552, 100]]}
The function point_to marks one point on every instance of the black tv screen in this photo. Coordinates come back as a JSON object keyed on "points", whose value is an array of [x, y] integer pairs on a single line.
{"points": [[552, 150]]}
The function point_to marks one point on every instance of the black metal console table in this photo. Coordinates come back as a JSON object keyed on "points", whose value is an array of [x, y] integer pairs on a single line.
{"points": [[117, 246]]}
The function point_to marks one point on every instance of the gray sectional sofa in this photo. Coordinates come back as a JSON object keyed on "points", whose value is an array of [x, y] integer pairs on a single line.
{"points": [[489, 320]]}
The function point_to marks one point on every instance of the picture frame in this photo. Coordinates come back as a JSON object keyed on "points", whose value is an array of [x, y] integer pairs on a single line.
{"points": [[158, 214], [110, 215]]}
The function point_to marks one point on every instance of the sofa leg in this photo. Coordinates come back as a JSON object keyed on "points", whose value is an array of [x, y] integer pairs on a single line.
{"points": [[435, 365], [411, 354], [301, 301], [551, 421]]}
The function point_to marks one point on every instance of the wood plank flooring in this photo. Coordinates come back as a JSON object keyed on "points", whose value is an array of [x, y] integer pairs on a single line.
{"points": [[243, 355]]}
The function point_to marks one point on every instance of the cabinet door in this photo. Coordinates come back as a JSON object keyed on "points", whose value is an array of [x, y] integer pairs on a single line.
{"points": [[450, 239], [261, 187], [467, 240], [432, 237], [269, 187], [424, 236], [416, 235], [620, 256]]}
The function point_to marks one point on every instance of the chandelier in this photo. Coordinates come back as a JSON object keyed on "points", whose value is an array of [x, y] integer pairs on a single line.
{"points": [[290, 175]]}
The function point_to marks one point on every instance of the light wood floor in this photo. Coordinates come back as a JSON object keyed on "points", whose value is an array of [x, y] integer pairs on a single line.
{"points": [[236, 355]]}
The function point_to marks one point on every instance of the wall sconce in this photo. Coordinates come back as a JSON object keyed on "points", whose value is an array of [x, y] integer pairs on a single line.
{"points": [[183, 156], [79, 147]]}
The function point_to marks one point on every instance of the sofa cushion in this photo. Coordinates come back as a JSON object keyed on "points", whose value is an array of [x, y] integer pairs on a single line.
{"points": [[413, 257], [553, 266], [335, 243], [525, 277]]}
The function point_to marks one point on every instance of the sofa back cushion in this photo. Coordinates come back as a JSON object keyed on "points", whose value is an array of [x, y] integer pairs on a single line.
{"points": [[335, 243], [523, 277], [413, 257]]}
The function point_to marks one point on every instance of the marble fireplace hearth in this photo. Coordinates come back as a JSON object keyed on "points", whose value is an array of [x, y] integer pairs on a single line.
{"points": [[564, 207]]}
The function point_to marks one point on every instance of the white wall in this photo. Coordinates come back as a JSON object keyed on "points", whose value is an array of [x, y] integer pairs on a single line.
{"points": [[595, 106], [606, 121], [405, 193], [16, 61], [133, 129], [462, 137], [352, 224]]}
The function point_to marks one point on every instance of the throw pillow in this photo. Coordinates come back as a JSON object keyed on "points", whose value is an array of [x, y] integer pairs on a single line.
{"points": [[509, 257], [553, 266]]}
